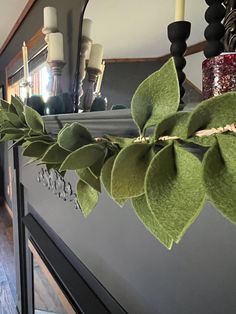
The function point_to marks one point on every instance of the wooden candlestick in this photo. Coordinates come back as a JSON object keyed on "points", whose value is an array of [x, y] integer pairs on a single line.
{"points": [[89, 95], [56, 71]]}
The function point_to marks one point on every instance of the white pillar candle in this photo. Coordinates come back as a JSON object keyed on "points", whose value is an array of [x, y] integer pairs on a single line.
{"points": [[25, 62], [87, 28], [55, 47], [179, 10], [50, 18], [96, 55]]}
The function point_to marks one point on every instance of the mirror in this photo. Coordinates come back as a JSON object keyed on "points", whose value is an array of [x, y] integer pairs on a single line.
{"points": [[133, 43]]}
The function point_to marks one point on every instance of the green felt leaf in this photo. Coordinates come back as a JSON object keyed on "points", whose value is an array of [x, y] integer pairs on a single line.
{"points": [[106, 178], [87, 197], [128, 173], [83, 157], [213, 113], [16, 142], [4, 105], [157, 97], [174, 125], [14, 131], [120, 141], [14, 119], [10, 137], [19, 107], [44, 138], [36, 149], [33, 119], [87, 176], [203, 141], [174, 189], [96, 168], [146, 216], [74, 136], [220, 175], [55, 155]]}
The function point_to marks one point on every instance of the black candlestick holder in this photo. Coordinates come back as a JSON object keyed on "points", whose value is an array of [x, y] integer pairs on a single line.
{"points": [[215, 31], [178, 33]]}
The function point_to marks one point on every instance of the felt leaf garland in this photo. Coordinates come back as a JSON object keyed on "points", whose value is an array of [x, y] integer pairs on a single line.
{"points": [[128, 173], [146, 216], [87, 197], [174, 189], [156, 97], [220, 175], [160, 173]]}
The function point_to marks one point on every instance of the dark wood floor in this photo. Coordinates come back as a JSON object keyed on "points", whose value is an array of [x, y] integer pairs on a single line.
{"points": [[7, 267]]}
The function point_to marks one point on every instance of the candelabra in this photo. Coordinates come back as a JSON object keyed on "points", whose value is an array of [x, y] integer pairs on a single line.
{"points": [[215, 30], [89, 95], [178, 33]]}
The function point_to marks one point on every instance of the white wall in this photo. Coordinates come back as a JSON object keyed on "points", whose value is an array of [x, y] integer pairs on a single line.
{"points": [[193, 68]]}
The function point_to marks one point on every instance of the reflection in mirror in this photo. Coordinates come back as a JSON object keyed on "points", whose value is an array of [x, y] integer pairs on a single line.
{"points": [[129, 36]]}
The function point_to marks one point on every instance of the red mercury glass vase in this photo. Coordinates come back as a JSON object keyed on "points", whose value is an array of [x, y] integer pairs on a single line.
{"points": [[219, 75]]}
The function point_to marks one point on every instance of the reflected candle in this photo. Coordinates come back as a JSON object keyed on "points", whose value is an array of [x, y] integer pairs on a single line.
{"points": [[25, 62], [55, 47], [87, 28], [96, 55], [50, 18]]}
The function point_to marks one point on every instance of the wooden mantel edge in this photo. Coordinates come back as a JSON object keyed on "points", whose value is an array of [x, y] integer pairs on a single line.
{"points": [[19, 21]]}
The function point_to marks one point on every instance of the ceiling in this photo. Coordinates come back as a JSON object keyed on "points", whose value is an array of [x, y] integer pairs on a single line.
{"points": [[11, 11], [137, 28]]}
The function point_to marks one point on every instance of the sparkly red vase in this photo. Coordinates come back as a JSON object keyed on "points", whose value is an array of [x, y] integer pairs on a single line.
{"points": [[219, 75]]}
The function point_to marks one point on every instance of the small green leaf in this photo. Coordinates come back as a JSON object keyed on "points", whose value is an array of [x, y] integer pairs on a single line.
{"points": [[157, 97], [34, 120], [174, 189], [106, 178], [87, 176], [87, 197], [74, 136], [174, 125], [219, 167], [146, 216], [36, 149], [5, 105], [14, 131], [96, 168], [55, 155], [128, 173], [14, 119], [19, 107], [83, 157], [213, 113]]}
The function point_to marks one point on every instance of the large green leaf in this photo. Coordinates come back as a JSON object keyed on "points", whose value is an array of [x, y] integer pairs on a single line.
{"points": [[36, 149], [55, 155], [174, 125], [19, 107], [220, 175], [128, 173], [87, 176], [146, 216], [87, 197], [157, 97], [174, 189], [34, 120], [106, 178], [213, 113], [83, 157], [120, 141], [4, 105], [74, 136]]}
